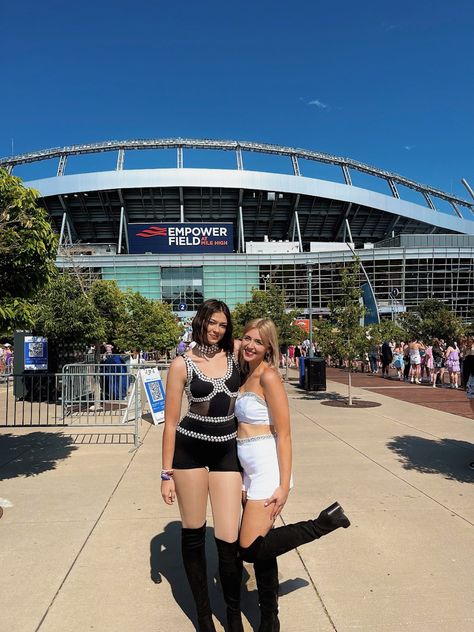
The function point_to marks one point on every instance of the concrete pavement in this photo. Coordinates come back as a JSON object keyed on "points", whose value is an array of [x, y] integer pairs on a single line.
{"points": [[87, 533]]}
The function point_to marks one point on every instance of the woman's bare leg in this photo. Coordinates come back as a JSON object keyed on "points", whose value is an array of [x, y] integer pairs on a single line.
{"points": [[225, 492], [256, 521], [192, 489]]}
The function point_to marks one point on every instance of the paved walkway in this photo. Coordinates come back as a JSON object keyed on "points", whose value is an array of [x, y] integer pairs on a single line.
{"points": [[87, 531]]}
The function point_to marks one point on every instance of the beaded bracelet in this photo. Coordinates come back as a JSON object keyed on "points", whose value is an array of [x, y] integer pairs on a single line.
{"points": [[166, 475]]}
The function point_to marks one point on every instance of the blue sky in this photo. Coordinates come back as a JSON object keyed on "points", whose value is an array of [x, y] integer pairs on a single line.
{"points": [[388, 84]]}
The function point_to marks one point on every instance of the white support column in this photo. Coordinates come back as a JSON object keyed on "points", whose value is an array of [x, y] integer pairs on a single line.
{"points": [[347, 174], [179, 157], [9, 169], [297, 223], [240, 161], [61, 233], [62, 165], [241, 229], [120, 159], [122, 217], [296, 166], [456, 210], [393, 188], [429, 201]]}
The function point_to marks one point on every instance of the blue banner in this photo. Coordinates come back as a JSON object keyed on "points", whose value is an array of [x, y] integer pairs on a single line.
{"points": [[36, 353], [180, 238], [371, 316]]}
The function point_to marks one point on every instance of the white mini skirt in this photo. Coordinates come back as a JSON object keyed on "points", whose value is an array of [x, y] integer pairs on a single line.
{"points": [[259, 461]]}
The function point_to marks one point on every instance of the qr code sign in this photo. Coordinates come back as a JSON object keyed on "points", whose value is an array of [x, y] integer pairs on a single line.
{"points": [[35, 349], [155, 391]]}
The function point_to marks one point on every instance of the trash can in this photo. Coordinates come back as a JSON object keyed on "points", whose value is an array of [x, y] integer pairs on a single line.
{"points": [[315, 374], [301, 382]]}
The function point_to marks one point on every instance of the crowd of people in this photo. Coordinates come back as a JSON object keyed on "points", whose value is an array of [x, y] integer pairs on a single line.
{"points": [[435, 362], [6, 359]]}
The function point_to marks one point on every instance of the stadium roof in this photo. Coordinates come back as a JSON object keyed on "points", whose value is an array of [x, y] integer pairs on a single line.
{"points": [[269, 202]]}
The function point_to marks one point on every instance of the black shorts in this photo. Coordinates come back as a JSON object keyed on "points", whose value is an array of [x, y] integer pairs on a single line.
{"points": [[190, 453]]}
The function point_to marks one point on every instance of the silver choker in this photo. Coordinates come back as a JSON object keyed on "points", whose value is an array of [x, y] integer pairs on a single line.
{"points": [[207, 349]]}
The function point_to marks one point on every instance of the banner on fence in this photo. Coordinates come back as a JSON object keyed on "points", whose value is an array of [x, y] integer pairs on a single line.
{"points": [[35, 353], [155, 394]]}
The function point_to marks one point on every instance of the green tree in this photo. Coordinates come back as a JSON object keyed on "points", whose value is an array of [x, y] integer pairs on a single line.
{"points": [[268, 304], [432, 319], [342, 335], [27, 252], [109, 302], [65, 314], [147, 325]]}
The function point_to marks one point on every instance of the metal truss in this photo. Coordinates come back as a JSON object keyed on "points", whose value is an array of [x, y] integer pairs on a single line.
{"points": [[238, 146]]}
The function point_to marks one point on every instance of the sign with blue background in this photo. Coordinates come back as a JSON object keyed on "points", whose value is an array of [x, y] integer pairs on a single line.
{"points": [[180, 238], [36, 353], [155, 394]]}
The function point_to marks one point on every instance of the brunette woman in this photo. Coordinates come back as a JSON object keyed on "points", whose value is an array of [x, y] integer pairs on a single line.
{"points": [[264, 449], [200, 458]]}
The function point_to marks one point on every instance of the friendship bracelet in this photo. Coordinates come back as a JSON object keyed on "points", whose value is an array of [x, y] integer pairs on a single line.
{"points": [[166, 475]]}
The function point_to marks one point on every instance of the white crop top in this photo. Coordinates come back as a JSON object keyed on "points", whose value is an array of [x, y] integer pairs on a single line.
{"points": [[251, 408]]}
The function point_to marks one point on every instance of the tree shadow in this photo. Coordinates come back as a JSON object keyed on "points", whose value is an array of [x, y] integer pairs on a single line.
{"points": [[166, 562], [318, 395], [33, 453], [448, 457]]}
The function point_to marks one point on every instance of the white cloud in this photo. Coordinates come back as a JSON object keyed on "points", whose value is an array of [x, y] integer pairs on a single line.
{"points": [[409, 147], [319, 104]]}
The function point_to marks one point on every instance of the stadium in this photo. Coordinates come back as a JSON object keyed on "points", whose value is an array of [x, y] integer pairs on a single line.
{"points": [[159, 218]]}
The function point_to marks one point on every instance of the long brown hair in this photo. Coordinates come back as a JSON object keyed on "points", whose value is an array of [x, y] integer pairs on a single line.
{"points": [[201, 322]]}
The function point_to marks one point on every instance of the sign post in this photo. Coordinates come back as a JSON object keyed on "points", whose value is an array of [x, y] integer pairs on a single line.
{"points": [[154, 392]]}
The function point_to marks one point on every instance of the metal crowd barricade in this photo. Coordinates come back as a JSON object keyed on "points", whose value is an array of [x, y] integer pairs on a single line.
{"points": [[82, 395], [103, 395]]}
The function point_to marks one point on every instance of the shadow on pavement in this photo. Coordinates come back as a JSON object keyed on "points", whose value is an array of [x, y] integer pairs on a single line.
{"points": [[33, 453], [318, 395], [448, 457], [166, 562]]}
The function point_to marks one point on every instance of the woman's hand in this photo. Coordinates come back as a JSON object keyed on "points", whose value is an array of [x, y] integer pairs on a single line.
{"points": [[278, 499], [168, 491]]}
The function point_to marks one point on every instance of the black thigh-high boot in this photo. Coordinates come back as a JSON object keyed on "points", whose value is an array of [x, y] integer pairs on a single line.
{"points": [[230, 573], [266, 575], [193, 547], [284, 539]]}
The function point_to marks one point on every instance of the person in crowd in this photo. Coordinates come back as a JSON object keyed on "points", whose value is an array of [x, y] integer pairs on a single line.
{"points": [[468, 379], [199, 458], [264, 449], [136, 358], [452, 363], [406, 359], [291, 356], [427, 366], [298, 356], [386, 357], [398, 362], [373, 358], [438, 362], [415, 348]]}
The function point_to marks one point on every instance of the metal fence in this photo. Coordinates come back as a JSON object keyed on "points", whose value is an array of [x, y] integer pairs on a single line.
{"points": [[82, 395]]}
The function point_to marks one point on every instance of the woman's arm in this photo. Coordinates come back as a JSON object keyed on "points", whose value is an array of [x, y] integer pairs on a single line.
{"points": [[174, 393], [277, 402]]}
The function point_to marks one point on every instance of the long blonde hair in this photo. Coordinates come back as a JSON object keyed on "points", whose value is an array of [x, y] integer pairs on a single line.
{"points": [[268, 332]]}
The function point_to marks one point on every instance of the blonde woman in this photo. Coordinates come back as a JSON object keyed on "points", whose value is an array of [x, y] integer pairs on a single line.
{"points": [[265, 453]]}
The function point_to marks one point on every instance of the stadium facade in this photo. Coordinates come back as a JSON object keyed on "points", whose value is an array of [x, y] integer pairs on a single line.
{"points": [[183, 234]]}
